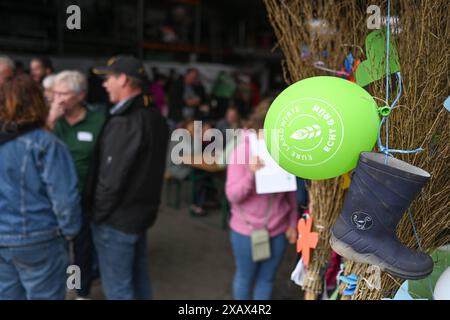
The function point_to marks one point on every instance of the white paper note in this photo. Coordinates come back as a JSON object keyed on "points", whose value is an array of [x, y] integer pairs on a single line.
{"points": [[271, 178]]}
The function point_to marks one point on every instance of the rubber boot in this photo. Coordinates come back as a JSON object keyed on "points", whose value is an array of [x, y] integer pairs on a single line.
{"points": [[379, 195]]}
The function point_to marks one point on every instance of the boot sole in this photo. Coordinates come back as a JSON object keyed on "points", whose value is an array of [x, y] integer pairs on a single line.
{"points": [[348, 252]]}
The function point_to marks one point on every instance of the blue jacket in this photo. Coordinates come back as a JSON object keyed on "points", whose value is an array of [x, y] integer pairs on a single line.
{"points": [[39, 200]]}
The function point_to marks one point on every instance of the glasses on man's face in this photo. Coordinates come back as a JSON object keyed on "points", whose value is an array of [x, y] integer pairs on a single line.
{"points": [[62, 93]]}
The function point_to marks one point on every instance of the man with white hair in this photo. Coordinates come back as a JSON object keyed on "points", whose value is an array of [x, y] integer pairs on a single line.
{"points": [[79, 128], [47, 84], [6, 69]]}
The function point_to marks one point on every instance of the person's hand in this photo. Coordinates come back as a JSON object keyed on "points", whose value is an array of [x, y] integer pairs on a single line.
{"points": [[291, 235], [256, 164], [56, 112], [69, 238]]}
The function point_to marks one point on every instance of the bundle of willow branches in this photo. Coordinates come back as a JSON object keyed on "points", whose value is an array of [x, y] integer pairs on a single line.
{"points": [[329, 30]]}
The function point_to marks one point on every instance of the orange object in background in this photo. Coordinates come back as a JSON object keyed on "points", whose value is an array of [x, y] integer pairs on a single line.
{"points": [[306, 239]]}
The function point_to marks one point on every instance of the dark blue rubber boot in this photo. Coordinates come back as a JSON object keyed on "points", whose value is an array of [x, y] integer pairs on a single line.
{"points": [[378, 197]]}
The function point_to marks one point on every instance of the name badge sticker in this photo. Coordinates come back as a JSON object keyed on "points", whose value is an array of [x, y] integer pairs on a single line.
{"points": [[85, 136]]}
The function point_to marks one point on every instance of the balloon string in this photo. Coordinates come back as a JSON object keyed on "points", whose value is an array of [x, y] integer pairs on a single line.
{"points": [[388, 152], [388, 33], [386, 149]]}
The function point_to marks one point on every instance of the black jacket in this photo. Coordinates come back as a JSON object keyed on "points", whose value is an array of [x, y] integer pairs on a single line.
{"points": [[124, 187]]}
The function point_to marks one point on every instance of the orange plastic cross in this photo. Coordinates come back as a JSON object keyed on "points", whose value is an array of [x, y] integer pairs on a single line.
{"points": [[306, 239]]}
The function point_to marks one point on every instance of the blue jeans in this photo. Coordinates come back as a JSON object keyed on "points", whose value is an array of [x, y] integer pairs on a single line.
{"points": [[84, 256], [255, 276], [302, 193], [123, 263], [33, 272]]}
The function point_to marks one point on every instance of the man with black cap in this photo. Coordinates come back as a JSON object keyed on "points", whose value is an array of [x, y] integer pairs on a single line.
{"points": [[126, 180]]}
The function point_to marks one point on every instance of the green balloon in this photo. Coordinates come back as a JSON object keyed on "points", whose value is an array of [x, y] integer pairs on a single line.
{"points": [[316, 128]]}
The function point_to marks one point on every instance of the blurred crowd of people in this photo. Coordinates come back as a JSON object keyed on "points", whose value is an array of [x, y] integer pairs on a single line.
{"points": [[83, 159]]}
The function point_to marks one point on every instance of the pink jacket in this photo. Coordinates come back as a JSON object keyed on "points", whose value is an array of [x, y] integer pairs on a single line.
{"points": [[241, 192]]}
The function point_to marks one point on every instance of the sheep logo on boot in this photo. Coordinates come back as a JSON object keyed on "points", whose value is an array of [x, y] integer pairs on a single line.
{"points": [[362, 220]]}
